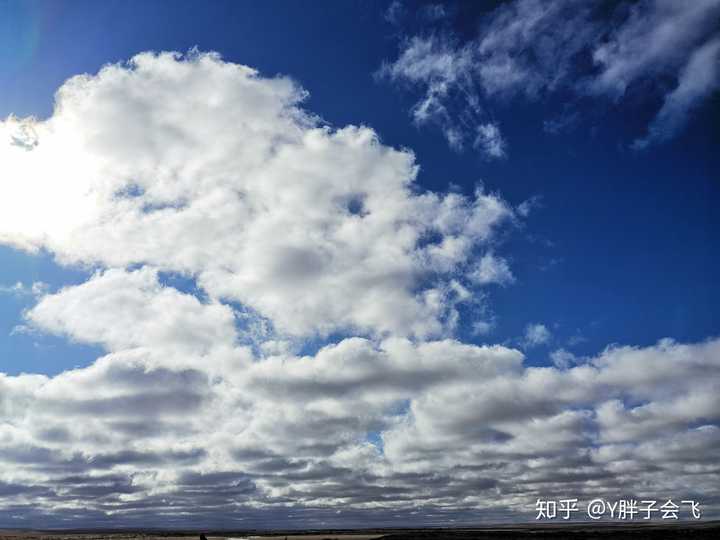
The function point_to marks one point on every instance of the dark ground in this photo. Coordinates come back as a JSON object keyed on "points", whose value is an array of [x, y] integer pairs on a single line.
{"points": [[700, 530], [690, 531]]}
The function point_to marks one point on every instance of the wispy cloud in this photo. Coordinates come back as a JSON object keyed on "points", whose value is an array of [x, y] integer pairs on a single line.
{"points": [[530, 49], [536, 334], [490, 142], [37, 288], [492, 269]]}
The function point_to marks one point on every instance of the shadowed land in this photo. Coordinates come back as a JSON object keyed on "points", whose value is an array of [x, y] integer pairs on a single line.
{"points": [[567, 531]]}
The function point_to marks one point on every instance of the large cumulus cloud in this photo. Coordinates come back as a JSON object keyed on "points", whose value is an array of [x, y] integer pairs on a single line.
{"points": [[202, 410], [316, 229]]}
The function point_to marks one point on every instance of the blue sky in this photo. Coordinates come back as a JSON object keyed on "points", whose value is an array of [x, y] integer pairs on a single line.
{"points": [[619, 249], [594, 140]]}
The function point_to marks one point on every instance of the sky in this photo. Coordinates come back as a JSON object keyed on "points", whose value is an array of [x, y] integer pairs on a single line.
{"points": [[341, 264]]}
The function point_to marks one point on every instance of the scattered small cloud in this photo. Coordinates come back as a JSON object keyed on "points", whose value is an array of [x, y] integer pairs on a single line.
{"points": [[482, 328], [395, 12], [492, 269], [562, 123], [37, 288], [536, 334], [563, 359], [528, 49], [434, 12], [490, 141], [549, 263], [576, 339], [525, 207]]}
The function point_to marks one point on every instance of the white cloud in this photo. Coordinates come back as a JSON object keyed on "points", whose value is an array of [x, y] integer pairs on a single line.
{"points": [[17, 289], [243, 183], [482, 328], [527, 48], [562, 358], [492, 269], [696, 82], [36, 288], [182, 422], [657, 37], [526, 207], [297, 426], [444, 72], [122, 310], [536, 334], [490, 141]]}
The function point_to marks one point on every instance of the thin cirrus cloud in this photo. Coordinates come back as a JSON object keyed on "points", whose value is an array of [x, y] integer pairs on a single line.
{"points": [[531, 49], [200, 413]]}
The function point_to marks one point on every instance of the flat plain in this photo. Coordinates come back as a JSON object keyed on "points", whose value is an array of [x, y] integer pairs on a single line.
{"points": [[703, 530]]}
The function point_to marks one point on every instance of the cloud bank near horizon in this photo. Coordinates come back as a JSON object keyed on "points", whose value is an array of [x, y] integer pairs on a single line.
{"points": [[204, 411]]}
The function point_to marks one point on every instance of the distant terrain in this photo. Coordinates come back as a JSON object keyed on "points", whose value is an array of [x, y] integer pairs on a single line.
{"points": [[570, 531]]}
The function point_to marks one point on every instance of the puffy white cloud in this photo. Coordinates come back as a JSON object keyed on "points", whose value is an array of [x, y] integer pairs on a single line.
{"points": [[527, 48], [17, 289], [123, 310], [217, 428], [286, 223], [244, 186]]}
